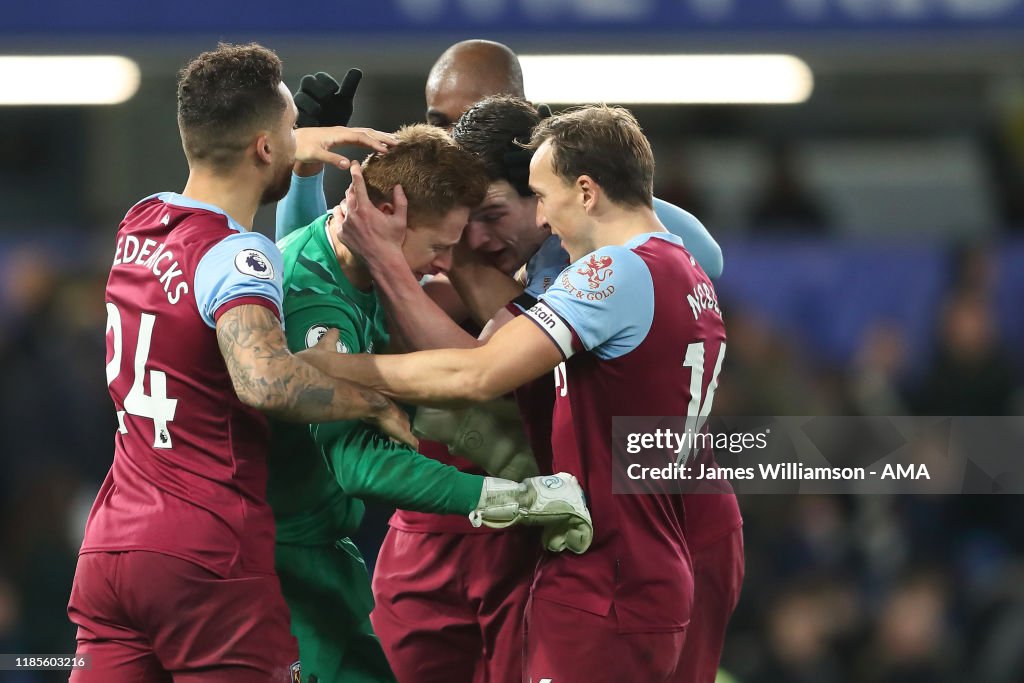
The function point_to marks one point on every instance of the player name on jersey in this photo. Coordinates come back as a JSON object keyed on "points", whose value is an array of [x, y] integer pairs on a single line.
{"points": [[159, 260], [703, 298]]}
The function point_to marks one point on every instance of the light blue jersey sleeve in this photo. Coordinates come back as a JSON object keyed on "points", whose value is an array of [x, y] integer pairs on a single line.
{"points": [[696, 238], [544, 267], [603, 303], [242, 265], [304, 203]]}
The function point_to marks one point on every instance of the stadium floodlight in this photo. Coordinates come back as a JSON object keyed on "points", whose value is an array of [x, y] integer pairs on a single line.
{"points": [[55, 80], [667, 79]]}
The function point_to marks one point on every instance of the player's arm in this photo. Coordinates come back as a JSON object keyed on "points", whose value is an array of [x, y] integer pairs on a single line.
{"points": [[377, 238], [268, 377], [696, 237], [559, 325], [519, 352], [320, 101], [484, 289], [369, 466], [238, 292], [305, 201], [490, 435]]}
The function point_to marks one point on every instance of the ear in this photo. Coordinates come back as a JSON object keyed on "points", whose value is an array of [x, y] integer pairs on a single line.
{"points": [[387, 208], [263, 152], [589, 191]]}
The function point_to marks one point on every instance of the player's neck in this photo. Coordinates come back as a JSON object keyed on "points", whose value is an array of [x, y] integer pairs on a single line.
{"points": [[231, 196], [614, 226], [621, 224], [352, 267]]}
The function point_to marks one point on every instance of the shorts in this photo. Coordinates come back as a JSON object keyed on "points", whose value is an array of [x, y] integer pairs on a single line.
{"points": [[147, 617], [328, 592], [568, 645], [450, 606]]}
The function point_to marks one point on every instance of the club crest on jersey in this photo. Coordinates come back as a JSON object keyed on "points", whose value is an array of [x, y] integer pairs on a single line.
{"points": [[255, 263], [296, 672], [596, 270], [315, 333]]}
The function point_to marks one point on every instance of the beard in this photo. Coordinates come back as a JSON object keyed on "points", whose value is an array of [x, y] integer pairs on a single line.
{"points": [[278, 187]]}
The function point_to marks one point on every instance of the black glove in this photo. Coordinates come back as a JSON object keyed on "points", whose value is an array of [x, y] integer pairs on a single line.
{"points": [[321, 102]]}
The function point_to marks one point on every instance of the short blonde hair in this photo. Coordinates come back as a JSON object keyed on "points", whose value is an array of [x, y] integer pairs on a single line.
{"points": [[436, 174]]}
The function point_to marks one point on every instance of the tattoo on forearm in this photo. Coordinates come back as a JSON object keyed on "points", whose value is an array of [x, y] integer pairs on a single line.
{"points": [[264, 371]]}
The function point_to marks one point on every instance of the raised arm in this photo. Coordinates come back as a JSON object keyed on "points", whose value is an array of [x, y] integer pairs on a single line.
{"points": [[268, 377], [305, 201], [696, 238]]}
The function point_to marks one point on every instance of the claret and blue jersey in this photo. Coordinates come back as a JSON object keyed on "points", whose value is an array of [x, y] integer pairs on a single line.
{"points": [[622, 320], [189, 471]]}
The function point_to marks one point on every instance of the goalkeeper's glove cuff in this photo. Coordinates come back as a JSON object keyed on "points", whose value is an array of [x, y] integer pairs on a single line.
{"points": [[499, 503]]}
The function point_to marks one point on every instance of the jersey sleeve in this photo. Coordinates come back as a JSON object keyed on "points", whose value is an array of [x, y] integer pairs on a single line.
{"points": [[305, 326], [243, 268], [303, 204], [602, 303], [369, 465], [696, 238], [542, 269]]}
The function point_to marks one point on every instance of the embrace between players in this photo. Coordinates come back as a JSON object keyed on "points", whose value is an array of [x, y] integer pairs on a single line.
{"points": [[181, 575]]}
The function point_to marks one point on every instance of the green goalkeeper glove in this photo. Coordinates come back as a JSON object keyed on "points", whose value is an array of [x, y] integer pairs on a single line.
{"points": [[489, 435], [555, 502]]}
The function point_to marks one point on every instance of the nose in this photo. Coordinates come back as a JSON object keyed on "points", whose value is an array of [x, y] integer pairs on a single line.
{"points": [[542, 219], [443, 262], [476, 237]]}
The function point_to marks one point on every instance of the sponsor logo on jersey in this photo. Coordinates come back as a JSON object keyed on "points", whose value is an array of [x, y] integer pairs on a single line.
{"points": [[585, 294], [255, 263], [596, 270]]}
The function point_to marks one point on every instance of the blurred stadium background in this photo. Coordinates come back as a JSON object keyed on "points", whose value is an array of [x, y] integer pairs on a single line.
{"points": [[874, 265]]}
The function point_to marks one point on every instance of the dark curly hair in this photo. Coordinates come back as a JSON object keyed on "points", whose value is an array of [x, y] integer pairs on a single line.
{"points": [[495, 130], [224, 96]]}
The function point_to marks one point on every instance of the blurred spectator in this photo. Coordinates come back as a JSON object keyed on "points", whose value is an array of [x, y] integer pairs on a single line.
{"points": [[877, 371], [997, 633], [970, 373], [913, 644], [799, 630], [784, 204], [762, 374]]}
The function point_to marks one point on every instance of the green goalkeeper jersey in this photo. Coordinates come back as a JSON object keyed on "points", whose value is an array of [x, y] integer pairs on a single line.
{"points": [[318, 472]]}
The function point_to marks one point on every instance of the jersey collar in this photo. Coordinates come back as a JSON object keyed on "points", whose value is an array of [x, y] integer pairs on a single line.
{"points": [[175, 199]]}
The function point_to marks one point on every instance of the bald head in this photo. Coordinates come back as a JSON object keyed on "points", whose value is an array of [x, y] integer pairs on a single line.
{"points": [[468, 72]]}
